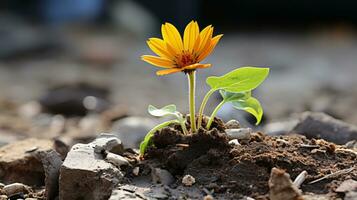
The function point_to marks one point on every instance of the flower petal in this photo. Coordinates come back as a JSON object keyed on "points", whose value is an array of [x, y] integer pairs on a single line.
{"points": [[209, 49], [168, 71], [158, 46], [190, 36], [171, 36], [205, 38], [157, 61], [197, 66]]}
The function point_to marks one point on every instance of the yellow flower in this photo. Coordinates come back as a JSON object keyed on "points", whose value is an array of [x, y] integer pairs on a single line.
{"points": [[178, 55]]}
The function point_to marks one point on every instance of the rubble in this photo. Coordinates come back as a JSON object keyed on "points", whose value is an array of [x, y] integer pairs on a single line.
{"points": [[14, 189], [161, 176], [52, 162], [188, 180], [281, 187], [86, 174], [320, 125], [19, 161], [240, 134], [109, 142], [232, 124]]}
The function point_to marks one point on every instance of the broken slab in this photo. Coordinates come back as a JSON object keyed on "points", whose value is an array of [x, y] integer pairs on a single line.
{"points": [[51, 161], [86, 174], [281, 187], [19, 161], [108, 142], [321, 125]]}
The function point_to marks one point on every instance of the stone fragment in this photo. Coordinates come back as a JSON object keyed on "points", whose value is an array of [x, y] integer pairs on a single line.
{"points": [[281, 187], [15, 188], [136, 171], [232, 124], [161, 176], [234, 142], [240, 133], [124, 195], [320, 125], [280, 127], [352, 195], [19, 163], [68, 99], [188, 180], [116, 159], [347, 186], [52, 162], [208, 197], [107, 142], [86, 175]]}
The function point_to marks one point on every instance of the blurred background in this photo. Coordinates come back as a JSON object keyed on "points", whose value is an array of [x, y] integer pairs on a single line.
{"points": [[74, 58]]}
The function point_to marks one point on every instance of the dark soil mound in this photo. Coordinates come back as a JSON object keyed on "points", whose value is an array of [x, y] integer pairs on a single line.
{"points": [[244, 169]]}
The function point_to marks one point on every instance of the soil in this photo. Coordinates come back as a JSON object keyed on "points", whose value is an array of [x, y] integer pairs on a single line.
{"points": [[232, 172]]}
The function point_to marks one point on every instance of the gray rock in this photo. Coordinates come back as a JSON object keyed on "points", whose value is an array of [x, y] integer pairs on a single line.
{"points": [[161, 176], [124, 195], [86, 175], [351, 145], [281, 187], [347, 186], [232, 124], [15, 188], [116, 159], [108, 142], [132, 130], [52, 162], [234, 142], [280, 127], [240, 133], [320, 125], [352, 195], [19, 161]]}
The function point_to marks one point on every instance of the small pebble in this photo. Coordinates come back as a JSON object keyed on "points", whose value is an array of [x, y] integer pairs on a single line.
{"points": [[234, 142], [2, 185], [15, 188], [136, 171], [32, 149], [188, 180], [162, 176], [232, 124], [208, 197], [240, 134], [116, 160]]}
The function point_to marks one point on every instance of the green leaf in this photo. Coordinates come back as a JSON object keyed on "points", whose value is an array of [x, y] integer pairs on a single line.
{"points": [[239, 80], [146, 143], [165, 111], [250, 105], [230, 96], [148, 138]]}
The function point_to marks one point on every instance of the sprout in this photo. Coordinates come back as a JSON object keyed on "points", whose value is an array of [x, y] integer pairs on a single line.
{"points": [[184, 55]]}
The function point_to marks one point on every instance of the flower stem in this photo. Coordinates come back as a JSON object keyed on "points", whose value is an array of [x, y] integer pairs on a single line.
{"points": [[214, 113], [191, 83], [202, 107]]}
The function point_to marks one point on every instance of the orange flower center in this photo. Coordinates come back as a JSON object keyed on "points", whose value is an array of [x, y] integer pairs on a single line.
{"points": [[186, 59]]}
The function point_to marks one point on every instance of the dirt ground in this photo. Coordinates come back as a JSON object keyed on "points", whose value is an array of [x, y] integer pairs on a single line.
{"points": [[234, 171]]}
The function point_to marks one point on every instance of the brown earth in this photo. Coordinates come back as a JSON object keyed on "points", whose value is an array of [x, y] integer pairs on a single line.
{"points": [[234, 171]]}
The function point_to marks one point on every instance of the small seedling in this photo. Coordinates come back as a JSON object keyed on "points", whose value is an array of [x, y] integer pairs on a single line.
{"points": [[184, 55]]}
